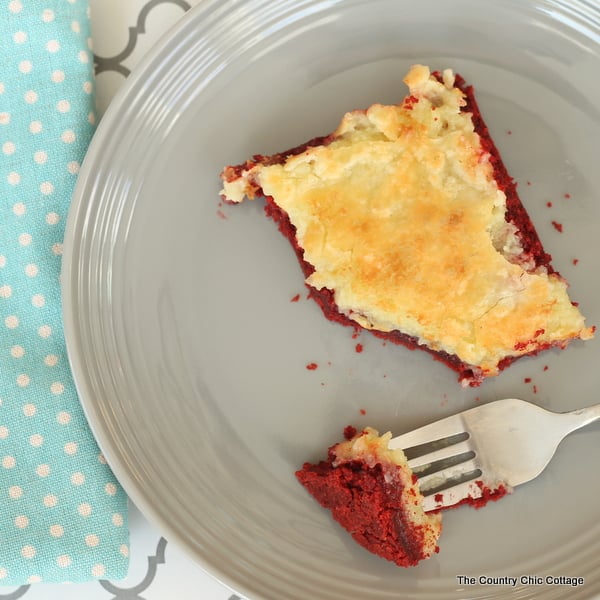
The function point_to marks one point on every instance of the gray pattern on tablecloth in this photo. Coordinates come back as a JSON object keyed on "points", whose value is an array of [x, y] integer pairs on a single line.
{"points": [[21, 591], [115, 63], [133, 592]]}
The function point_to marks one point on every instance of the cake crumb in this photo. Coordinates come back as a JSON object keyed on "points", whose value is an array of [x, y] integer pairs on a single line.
{"points": [[567, 196], [575, 261], [358, 348], [362, 411], [549, 204], [312, 366], [295, 298], [557, 226], [350, 431], [221, 215]]}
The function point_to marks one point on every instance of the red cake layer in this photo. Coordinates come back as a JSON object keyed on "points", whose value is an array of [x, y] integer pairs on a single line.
{"points": [[364, 504], [372, 493]]}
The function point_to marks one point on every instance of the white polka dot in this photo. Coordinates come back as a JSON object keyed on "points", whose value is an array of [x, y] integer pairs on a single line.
{"points": [[31, 270], [63, 106], [25, 66], [64, 418], [23, 380], [34, 579], [50, 501], [124, 550], [78, 478], [88, 87], [15, 492], [15, 6], [57, 76], [3, 573], [43, 470], [57, 248], [50, 361], [13, 178], [57, 530], [19, 37], [28, 552], [38, 300], [12, 322], [110, 489], [64, 561], [45, 331], [2, 260], [3, 432], [46, 188], [52, 218], [92, 118], [117, 520], [8, 462], [4, 118], [92, 540], [68, 136], [98, 570], [5, 291], [25, 239], [57, 388], [17, 351], [8, 148], [84, 57], [73, 167], [48, 15], [36, 440], [21, 521], [40, 157], [31, 97], [29, 410], [84, 509], [35, 127], [19, 209], [53, 46], [102, 459], [70, 448]]}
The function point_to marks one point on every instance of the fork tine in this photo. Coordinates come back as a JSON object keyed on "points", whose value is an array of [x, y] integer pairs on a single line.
{"points": [[452, 495], [435, 455], [444, 428], [445, 478]]}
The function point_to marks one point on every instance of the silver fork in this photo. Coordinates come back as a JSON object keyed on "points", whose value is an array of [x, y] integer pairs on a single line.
{"points": [[502, 443]]}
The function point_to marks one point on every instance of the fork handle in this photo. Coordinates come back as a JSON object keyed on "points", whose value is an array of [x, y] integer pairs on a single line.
{"points": [[584, 416]]}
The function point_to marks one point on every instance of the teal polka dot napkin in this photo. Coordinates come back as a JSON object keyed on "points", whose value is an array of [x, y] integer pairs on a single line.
{"points": [[63, 516]]}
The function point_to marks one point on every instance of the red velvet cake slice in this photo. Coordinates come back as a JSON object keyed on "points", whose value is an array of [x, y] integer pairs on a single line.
{"points": [[406, 223], [371, 492]]}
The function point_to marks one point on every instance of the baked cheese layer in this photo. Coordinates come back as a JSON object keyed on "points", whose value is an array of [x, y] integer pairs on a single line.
{"points": [[401, 217]]}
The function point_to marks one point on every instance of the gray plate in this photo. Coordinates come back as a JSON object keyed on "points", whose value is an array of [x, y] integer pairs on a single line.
{"points": [[190, 358]]}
